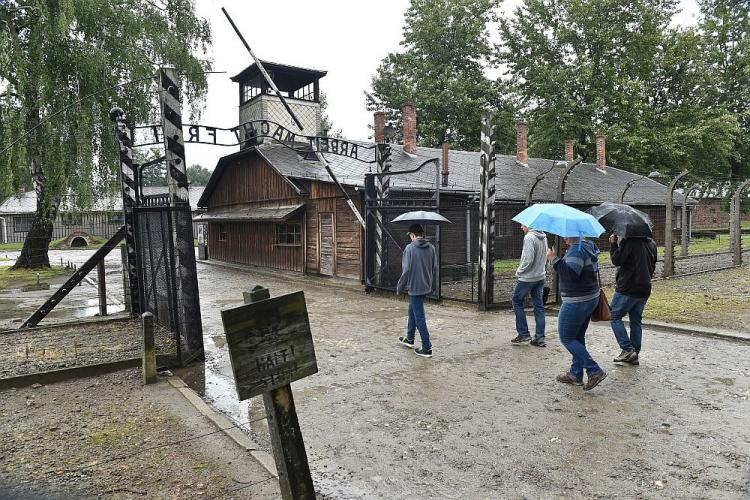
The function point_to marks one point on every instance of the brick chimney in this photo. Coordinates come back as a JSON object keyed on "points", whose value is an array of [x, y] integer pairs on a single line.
{"points": [[445, 164], [568, 149], [379, 126], [522, 142], [409, 117], [601, 155]]}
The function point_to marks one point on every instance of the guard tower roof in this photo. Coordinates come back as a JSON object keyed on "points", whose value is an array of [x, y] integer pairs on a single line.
{"points": [[286, 78]]}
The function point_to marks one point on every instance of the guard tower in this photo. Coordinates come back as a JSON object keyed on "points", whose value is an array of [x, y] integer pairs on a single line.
{"points": [[299, 86]]}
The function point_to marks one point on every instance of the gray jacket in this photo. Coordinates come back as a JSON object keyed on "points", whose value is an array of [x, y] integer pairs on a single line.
{"points": [[419, 267], [533, 257]]}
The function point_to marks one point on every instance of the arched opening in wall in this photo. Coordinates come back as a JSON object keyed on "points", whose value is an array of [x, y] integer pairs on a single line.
{"points": [[78, 242]]}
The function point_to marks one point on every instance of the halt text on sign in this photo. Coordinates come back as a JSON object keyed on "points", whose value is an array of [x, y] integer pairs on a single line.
{"points": [[270, 343]]}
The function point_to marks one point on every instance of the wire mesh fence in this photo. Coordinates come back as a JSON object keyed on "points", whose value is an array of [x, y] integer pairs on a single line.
{"points": [[156, 279]]}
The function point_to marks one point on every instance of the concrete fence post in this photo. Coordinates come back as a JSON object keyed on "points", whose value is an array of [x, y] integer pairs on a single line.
{"points": [[149, 349], [685, 224], [735, 223], [101, 284], [669, 227], [125, 279]]}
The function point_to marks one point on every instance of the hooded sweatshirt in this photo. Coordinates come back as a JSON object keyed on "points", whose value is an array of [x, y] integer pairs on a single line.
{"points": [[533, 257], [577, 272], [418, 268]]}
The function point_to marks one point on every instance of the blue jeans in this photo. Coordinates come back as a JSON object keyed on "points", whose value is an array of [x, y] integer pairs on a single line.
{"points": [[633, 307], [417, 320], [572, 323], [519, 294]]}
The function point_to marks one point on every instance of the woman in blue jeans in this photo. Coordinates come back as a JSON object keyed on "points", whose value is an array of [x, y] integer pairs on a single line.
{"points": [[579, 291]]}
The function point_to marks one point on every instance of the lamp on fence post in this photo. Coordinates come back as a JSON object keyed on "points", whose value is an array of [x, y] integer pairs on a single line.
{"points": [[685, 224], [668, 227], [735, 223]]}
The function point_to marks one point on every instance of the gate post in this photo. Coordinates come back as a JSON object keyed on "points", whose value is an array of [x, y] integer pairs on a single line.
{"points": [[127, 178], [487, 212], [668, 225], [382, 185], [187, 301], [736, 224]]}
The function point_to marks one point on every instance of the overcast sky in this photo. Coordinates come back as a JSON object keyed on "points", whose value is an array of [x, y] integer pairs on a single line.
{"points": [[347, 38]]}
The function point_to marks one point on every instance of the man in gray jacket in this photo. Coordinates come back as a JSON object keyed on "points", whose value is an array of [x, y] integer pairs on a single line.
{"points": [[531, 273], [419, 266]]}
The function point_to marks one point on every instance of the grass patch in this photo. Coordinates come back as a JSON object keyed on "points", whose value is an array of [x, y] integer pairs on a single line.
{"points": [[11, 247], [94, 242], [24, 277], [719, 299], [697, 246]]}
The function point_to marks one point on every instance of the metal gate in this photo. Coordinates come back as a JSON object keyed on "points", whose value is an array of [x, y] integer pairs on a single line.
{"points": [[178, 334], [387, 195]]}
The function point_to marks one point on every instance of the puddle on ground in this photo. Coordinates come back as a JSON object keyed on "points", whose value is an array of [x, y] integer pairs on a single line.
{"points": [[92, 309], [725, 381]]}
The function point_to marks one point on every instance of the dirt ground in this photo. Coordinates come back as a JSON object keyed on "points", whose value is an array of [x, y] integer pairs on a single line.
{"points": [[482, 419], [485, 419], [52, 348], [108, 436]]}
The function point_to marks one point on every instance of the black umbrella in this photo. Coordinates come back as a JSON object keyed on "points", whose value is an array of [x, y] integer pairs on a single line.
{"points": [[623, 220]]}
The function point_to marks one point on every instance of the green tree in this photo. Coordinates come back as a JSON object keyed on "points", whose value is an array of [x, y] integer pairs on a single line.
{"points": [[441, 70], [55, 53], [582, 67], [197, 175], [725, 27]]}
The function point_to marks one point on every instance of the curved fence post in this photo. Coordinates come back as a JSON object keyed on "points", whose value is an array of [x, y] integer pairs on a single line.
{"points": [[539, 178], [668, 227], [685, 225], [735, 222], [560, 198], [487, 212]]}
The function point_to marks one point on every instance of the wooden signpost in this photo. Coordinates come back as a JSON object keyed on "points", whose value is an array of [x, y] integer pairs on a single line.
{"points": [[270, 345]]}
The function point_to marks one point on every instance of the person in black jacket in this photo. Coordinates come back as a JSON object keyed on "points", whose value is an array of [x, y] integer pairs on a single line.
{"points": [[635, 259]]}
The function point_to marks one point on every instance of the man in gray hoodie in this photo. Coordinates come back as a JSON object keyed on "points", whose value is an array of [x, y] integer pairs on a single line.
{"points": [[531, 273], [419, 266]]}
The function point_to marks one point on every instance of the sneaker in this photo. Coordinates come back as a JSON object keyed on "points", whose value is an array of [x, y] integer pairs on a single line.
{"points": [[632, 359], [423, 352], [594, 380], [622, 357], [520, 339], [406, 342], [538, 343], [568, 378]]}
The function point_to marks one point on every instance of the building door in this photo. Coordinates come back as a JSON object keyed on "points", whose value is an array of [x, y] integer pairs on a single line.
{"points": [[326, 244]]}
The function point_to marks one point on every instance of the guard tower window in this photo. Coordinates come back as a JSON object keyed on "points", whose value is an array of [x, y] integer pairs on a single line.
{"points": [[306, 93], [249, 90]]}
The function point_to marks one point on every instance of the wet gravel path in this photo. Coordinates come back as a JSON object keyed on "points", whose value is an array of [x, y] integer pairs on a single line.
{"points": [[485, 419]]}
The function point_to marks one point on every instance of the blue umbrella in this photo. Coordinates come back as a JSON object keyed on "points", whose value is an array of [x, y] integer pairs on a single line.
{"points": [[560, 219]]}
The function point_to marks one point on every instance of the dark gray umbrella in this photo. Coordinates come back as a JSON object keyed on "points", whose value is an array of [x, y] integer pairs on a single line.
{"points": [[421, 217], [623, 220]]}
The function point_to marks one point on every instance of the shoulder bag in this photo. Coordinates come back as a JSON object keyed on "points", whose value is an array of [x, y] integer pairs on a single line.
{"points": [[602, 311]]}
